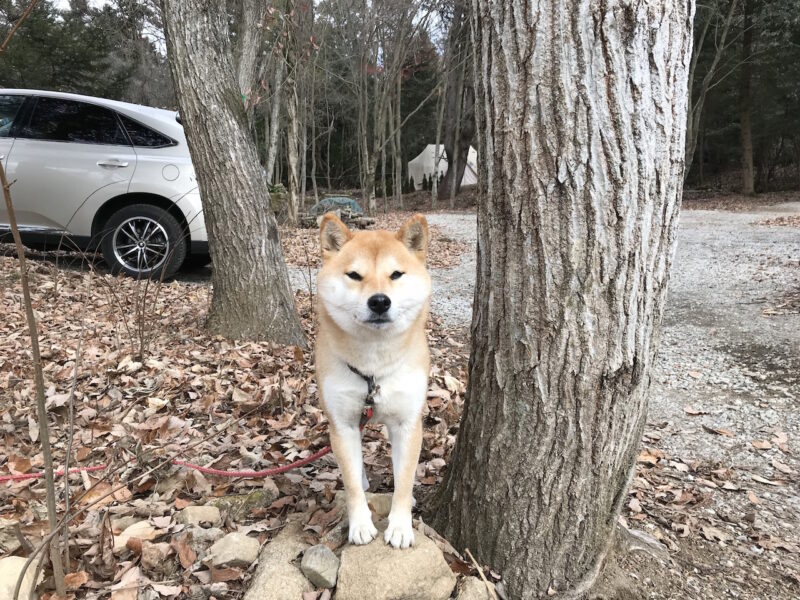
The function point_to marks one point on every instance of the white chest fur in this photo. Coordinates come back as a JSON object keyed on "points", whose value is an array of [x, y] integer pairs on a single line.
{"points": [[399, 400]]}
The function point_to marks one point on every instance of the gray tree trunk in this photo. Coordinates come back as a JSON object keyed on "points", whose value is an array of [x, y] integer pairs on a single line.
{"points": [[582, 115], [252, 297], [292, 152], [397, 146], [745, 101], [249, 50], [460, 98], [274, 125]]}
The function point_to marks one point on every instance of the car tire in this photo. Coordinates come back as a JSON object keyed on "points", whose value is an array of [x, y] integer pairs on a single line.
{"points": [[197, 261], [144, 241]]}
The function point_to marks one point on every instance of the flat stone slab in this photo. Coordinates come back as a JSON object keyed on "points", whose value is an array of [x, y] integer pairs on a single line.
{"points": [[378, 571], [277, 576]]}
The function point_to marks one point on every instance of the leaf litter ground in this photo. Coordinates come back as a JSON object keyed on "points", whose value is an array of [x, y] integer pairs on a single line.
{"points": [[729, 522]]}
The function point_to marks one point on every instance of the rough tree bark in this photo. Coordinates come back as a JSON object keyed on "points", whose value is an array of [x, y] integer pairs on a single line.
{"points": [[745, 101], [275, 111], [459, 109], [252, 297], [397, 146], [582, 115], [249, 50], [293, 118]]}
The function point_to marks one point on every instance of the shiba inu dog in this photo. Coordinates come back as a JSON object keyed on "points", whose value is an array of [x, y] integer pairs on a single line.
{"points": [[374, 292]]}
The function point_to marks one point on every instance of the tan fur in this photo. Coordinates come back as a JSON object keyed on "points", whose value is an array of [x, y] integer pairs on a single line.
{"points": [[396, 354]]}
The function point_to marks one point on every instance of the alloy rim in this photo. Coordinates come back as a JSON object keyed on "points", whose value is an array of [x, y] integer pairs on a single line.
{"points": [[141, 244]]}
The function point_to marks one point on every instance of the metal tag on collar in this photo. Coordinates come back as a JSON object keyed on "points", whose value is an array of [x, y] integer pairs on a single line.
{"points": [[372, 391]]}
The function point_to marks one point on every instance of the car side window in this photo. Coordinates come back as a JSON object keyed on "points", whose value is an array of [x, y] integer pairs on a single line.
{"points": [[143, 136], [59, 120], [9, 107]]}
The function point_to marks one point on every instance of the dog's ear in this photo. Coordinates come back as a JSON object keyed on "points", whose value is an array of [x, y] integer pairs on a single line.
{"points": [[414, 235], [333, 234]]}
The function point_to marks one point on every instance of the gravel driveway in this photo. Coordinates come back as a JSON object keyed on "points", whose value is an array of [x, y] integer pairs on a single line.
{"points": [[719, 354]]}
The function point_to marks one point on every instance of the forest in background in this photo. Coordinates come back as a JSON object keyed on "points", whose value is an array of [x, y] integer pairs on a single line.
{"points": [[363, 87]]}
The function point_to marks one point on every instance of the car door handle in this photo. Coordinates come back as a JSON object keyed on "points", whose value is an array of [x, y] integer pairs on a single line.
{"points": [[2, 156], [117, 164]]}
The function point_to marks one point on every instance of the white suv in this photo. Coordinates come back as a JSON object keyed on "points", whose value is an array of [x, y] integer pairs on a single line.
{"points": [[99, 174]]}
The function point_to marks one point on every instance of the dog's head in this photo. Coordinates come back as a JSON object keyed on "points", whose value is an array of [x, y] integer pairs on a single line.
{"points": [[374, 280]]}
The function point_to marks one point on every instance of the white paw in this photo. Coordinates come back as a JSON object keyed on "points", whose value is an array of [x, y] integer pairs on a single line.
{"points": [[362, 531], [400, 532]]}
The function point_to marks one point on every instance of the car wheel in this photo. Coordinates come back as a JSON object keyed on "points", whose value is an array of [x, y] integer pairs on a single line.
{"points": [[197, 261], [143, 240]]}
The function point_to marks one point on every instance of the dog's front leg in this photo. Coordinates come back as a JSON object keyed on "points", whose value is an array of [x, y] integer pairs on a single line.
{"points": [[406, 439], [346, 444]]}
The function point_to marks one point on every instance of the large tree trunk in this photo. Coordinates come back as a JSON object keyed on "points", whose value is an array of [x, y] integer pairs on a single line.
{"points": [[745, 101], [252, 297], [582, 114]]}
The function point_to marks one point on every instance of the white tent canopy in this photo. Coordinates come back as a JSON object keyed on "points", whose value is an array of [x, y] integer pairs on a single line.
{"points": [[424, 165]]}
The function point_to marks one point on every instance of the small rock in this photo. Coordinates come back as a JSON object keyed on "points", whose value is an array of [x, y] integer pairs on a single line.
{"points": [[218, 589], [198, 515], [8, 538], [234, 550], [204, 536], [10, 569], [473, 588], [241, 505], [155, 558], [141, 530], [320, 565], [336, 537], [277, 577], [377, 570], [122, 523]]}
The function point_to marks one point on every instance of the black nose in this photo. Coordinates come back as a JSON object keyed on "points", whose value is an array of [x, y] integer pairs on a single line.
{"points": [[379, 303]]}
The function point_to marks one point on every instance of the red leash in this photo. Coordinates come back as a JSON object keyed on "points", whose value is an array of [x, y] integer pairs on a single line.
{"points": [[207, 470]]}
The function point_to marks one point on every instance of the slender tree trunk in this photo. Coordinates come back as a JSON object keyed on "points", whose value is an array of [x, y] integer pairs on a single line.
{"points": [[437, 154], [459, 113], [274, 126], [697, 102], [582, 112], [303, 124], [292, 151], [267, 107], [397, 146], [252, 296], [701, 157], [328, 156], [371, 157], [383, 151], [453, 181], [745, 101], [313, 119]]}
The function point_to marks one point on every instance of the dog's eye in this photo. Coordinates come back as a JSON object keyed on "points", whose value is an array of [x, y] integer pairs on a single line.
{"points": [[354, 276], [396, 275]]}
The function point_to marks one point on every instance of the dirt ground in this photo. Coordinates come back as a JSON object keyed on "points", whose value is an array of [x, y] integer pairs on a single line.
{"points": [[718, 474], [717, 477]]}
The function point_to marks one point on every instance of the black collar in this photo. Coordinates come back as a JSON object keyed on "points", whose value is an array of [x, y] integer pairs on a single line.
{"points": [[373, 389]]}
